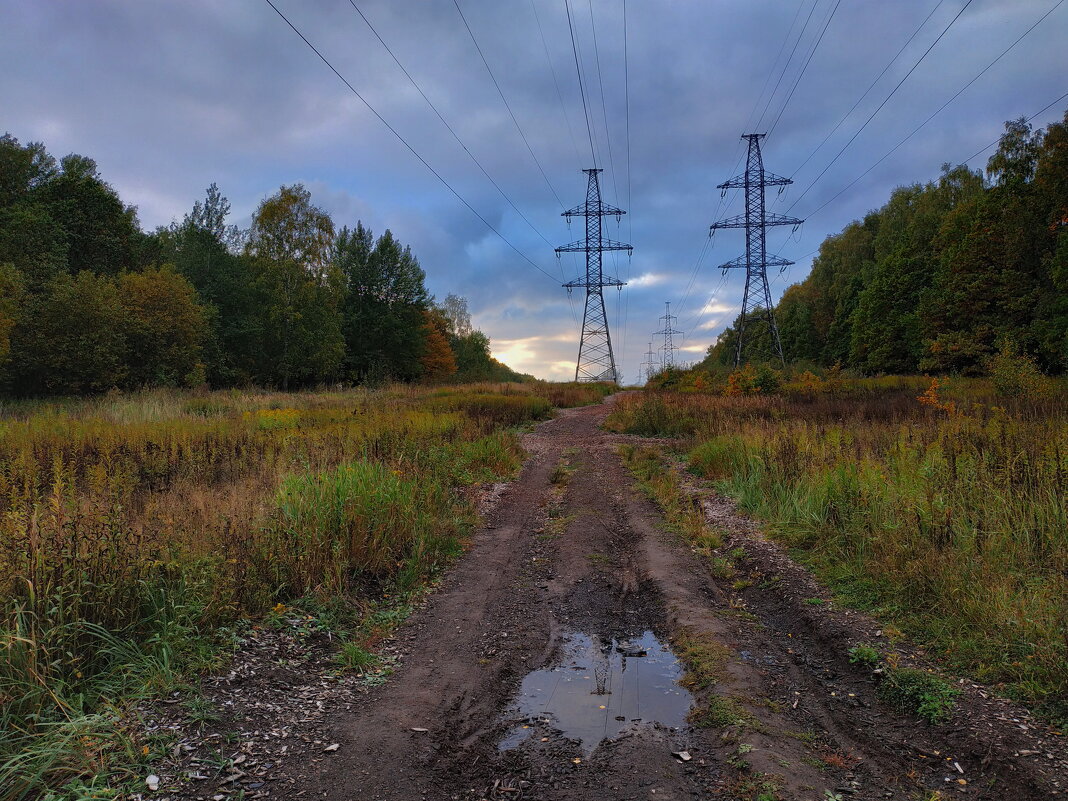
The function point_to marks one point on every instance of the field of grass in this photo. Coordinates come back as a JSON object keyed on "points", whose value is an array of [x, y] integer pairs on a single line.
{"points": [[943, 509], [139, 532]]}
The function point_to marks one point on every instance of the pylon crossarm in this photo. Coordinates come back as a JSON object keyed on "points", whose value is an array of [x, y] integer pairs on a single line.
{"points": [[582, 247], [741, 263]]}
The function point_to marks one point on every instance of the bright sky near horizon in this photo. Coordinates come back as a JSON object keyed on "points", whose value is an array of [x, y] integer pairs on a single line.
{"points": [[169, 96]]}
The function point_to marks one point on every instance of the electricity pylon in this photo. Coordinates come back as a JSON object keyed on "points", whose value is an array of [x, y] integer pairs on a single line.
{"points": [[596, 361], [756, 302], [667, 352], [648, 367]]}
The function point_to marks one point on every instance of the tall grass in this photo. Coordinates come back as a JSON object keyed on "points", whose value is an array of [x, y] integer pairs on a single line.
{"points": [[133, 529], [949, 517]]}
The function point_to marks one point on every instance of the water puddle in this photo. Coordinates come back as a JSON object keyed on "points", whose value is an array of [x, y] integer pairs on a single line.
{"points": [[601, 687]]}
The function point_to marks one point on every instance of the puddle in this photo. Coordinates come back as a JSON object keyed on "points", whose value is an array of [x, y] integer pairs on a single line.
{"points": [[601, 687]]}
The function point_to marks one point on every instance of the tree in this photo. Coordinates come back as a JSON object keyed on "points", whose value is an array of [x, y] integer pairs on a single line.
{"points": [[164, 328], [201, 248], [385, 298], [70, 339], [32, 240], [290, 246], [22, 169], [102, 234], [1013, 164], [455, 310], [438, 361], [12, 296]]}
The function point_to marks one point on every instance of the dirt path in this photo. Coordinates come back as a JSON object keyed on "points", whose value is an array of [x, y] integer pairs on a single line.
{"points": [[575, 575]]}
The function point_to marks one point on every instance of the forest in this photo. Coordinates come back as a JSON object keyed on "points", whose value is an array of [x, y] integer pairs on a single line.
{"points": [[945, 274], [90, 302]]}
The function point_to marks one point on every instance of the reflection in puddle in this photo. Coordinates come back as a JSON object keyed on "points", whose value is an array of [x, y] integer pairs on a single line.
{"points": [[601, 687]]}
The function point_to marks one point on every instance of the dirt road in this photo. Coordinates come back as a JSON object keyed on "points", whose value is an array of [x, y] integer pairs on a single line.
{"points": [[553, 632]]}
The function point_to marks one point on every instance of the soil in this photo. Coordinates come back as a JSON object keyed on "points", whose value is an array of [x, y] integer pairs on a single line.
{"points": [[573, 548]]}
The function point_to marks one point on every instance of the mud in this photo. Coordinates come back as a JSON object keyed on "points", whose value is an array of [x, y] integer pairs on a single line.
{"points": [[574, 562]]}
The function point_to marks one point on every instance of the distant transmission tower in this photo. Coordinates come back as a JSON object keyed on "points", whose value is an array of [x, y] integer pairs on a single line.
{"points": [[648, 367], [596, 361], [667, 352], [756, 302]]}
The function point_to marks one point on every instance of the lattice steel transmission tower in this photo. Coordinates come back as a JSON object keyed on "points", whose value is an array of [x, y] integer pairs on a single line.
{"points": [[756, 302], [667, 352], [648, 367], [596, 361]]}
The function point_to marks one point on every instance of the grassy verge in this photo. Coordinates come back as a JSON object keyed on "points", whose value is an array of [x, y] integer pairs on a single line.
{"points": [[138, 534], [943, 513]]}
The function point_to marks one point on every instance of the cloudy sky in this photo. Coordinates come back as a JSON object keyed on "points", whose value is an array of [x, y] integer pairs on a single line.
{"points": [[170, 96]]}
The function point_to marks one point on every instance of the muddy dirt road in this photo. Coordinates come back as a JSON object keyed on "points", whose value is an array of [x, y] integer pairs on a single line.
{"points": [[545, 667]]}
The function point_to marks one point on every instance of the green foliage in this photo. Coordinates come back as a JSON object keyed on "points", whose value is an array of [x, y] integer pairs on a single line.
{"points": [[385, 299], [934, 279], [286, 303], [1015, 374], [718, 458], [863, 654], [917, 692], [70, 339], [353, 656], [164, 326]]}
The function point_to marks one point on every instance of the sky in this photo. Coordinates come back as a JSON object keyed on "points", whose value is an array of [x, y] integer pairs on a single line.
{"points": [[171, 96]]}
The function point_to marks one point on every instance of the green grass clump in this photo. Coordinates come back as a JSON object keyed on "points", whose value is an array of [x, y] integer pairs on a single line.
{"points": [[353, 656], [916, 692], [717, 712], [718, 458]]}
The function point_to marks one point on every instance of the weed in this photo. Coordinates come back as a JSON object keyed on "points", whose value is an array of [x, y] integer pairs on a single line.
{"points": [[918, 692], [862, 654]]}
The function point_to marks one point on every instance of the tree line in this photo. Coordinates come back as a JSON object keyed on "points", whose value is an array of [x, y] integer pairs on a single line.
{"points": [[90, 302], [946, 274]]}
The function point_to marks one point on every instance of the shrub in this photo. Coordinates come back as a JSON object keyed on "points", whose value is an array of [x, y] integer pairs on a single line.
{"points": [[1015, 374]]}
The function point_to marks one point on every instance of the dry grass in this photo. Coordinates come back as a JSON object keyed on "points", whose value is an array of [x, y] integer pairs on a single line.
{"points": [[948, 515], [133, 527]]}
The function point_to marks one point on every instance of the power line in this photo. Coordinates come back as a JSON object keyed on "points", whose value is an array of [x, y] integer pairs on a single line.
{"points": [[608, 140], [582, 87], [630, 225], [804, 67], [556, 82], [604, 106], [723, 203], [444, 122], [881, 105], [867, 91], [404, 141], [1043, 110], [786, 66], [506, 105], [943, 107]]}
